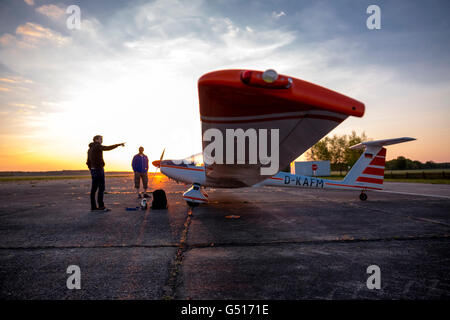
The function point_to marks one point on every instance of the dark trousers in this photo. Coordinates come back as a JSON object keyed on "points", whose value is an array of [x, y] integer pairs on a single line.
{"points": [[137, 179], [98, 182]]}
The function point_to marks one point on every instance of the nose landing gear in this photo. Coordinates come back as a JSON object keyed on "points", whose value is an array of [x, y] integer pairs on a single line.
{"points": [[192, 204]]}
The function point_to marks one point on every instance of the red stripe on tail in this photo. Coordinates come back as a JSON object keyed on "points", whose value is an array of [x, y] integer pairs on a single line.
{"points": [[382, 152], [374, 171], [370, 180], [378, 161]]}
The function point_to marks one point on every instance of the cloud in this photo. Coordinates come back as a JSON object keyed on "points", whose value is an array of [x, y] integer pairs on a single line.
{"points": [[278, 15], [15, 83], [33, 30], [52, 11], [29, 2], [8, 80], [23, 105], [7, 39], [128, 63], [15, 80], [32, 34], [187, 35]]}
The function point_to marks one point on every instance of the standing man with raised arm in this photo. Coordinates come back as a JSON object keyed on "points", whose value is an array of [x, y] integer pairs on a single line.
{"points": [[96, 164], [140, 168]]}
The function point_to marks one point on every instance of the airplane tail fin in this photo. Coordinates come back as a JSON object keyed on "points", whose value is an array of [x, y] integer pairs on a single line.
{"points": [[368, 171]]}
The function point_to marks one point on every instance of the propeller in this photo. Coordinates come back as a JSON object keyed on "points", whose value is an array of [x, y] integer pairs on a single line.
{"points": [[157, 163]]}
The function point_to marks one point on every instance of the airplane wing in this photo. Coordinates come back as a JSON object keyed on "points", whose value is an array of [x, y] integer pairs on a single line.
{"points": [[247, 99]]}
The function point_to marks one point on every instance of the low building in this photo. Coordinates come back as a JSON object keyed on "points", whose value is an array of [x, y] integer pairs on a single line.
{"points": [[306, 168]]}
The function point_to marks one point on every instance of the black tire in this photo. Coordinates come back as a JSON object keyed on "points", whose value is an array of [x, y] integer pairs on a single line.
{"points": [[363, 197], [192, 204]]}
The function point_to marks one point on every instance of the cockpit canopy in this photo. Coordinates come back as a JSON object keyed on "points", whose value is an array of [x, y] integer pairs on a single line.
{"points": [[195, 159]]}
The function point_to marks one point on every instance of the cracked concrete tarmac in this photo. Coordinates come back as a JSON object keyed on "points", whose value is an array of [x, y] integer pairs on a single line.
{"points": [[287, 243]]}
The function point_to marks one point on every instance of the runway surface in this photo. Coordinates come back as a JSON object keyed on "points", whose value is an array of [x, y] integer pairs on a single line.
{"points": [[286, 243]]}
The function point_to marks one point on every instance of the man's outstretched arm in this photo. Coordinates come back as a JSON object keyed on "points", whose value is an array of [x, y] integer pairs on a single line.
{"points": [[107, 148]]}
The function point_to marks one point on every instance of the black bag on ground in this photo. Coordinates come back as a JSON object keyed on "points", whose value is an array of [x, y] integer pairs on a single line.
{"points": [[159, 199]]}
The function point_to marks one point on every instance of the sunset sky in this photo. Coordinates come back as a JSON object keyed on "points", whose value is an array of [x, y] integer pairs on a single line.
{"points": [[130, 73]]}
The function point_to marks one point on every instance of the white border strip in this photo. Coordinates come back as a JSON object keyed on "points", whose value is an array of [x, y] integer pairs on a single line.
{"points": [[277, 115]]}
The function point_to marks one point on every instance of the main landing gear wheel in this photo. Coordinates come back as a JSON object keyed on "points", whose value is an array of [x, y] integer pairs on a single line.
{"points": [[363, 196], [192, 204]]}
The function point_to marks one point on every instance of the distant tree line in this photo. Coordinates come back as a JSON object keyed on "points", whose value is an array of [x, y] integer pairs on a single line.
{"points": [[402, 163], [336, 150]]}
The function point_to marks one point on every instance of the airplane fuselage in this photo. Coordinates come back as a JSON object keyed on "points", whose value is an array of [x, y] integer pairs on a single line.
{"points": [[192, 174]]}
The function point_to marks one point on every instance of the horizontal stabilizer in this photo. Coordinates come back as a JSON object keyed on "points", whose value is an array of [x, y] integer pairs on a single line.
{"points": [[381, 143]]}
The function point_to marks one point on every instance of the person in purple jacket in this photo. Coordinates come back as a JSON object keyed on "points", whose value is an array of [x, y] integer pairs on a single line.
{"points": [[140, 168]]}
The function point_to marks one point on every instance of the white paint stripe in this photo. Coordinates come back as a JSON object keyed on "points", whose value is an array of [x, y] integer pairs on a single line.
{"points": [[277, 115], [415, 194], [369, 184], [367, 175], [377, 167]]}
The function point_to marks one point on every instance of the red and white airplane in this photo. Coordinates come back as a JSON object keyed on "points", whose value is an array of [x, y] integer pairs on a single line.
{"points": [[302, 112]]}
